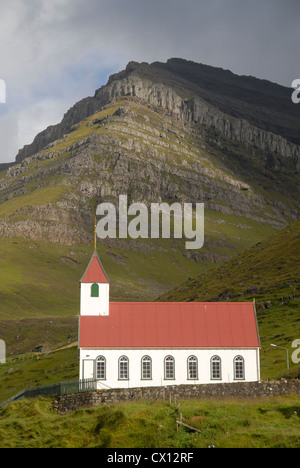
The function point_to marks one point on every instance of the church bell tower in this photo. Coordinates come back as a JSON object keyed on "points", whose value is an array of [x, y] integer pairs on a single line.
{"points": [[94, 287], [94, 290]]}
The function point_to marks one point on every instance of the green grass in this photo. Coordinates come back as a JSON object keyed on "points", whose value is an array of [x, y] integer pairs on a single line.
{"points": [[39, 283], [34, 370], [37, 197], [31, 271], [271, 267], [265, 423], [36, 276], [233, 233], [279, 325]]}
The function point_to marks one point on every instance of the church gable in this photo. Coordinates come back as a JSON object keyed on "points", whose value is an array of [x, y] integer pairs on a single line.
{"points": [[94, 289], [95, 272]]}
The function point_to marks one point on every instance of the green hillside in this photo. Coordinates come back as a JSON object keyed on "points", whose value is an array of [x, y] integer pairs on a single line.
{"points": [[48, 204], [40, 293], [269, 272], [270, 268]]}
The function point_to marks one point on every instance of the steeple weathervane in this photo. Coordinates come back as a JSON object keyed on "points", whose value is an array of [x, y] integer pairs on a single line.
{"points": [[95, 233]]}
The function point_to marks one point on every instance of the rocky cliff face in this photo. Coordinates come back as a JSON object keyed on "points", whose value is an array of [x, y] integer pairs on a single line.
{"points": [[184, 100], [152, 154], [198, 111], [150, 133]]}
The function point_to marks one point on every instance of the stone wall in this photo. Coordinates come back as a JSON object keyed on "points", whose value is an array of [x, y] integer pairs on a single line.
{"points": [[218, 391]]}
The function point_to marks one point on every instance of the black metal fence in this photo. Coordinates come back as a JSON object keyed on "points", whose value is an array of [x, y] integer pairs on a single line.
{"points": [[55, 390]]}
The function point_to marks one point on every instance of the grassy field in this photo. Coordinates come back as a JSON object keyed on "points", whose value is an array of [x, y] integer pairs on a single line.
{"points": [[265, 423], [268, 422], [33, 370]]}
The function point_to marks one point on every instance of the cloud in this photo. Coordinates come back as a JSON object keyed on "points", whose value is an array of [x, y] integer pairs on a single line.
{"points": [[55, 52]]}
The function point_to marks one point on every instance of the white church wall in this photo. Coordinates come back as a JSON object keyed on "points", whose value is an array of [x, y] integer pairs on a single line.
{"points": [[94, 305], [88, 366]]}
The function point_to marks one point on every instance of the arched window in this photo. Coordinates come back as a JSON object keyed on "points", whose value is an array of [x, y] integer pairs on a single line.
{"points": [[123, 368], [215, 368], [169, 368], [95, 290], [101, 368], [146, 368], [192, 363], [239, 368]]}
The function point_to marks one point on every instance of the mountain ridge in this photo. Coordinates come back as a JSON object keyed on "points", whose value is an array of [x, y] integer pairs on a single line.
{"points": [[287, 139]]}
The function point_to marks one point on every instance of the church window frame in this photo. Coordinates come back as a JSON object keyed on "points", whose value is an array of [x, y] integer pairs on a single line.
{"points": [[216, 368], [146, 368], [192, 368], [123, 368], [101, 368], [169, 368], [239, 368]]}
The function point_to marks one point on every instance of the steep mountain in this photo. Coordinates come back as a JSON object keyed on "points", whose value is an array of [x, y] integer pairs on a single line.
{"points": [[241, 108], [175, 132]]}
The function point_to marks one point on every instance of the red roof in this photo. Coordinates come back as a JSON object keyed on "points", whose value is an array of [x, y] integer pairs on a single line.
{"points": [[95, 272], [172, 325]]}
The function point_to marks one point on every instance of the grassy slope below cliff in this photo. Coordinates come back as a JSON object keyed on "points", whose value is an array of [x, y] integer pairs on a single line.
{"points": [[270, 268], [39, 290], [40, 285], [47, 212], [268, 272]]}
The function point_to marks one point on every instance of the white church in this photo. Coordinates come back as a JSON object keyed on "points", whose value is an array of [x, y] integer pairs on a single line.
{"points": [[141, 344]]}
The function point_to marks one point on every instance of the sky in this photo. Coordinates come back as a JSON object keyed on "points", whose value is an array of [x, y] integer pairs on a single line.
{"points": [[55, 52]]}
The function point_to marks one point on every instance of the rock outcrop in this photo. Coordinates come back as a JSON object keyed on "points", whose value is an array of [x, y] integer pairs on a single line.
{"points": [[150, 133], [183, 101]]}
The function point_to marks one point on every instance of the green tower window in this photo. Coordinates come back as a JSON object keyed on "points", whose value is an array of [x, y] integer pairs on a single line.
{"points": [[95, 290]]}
